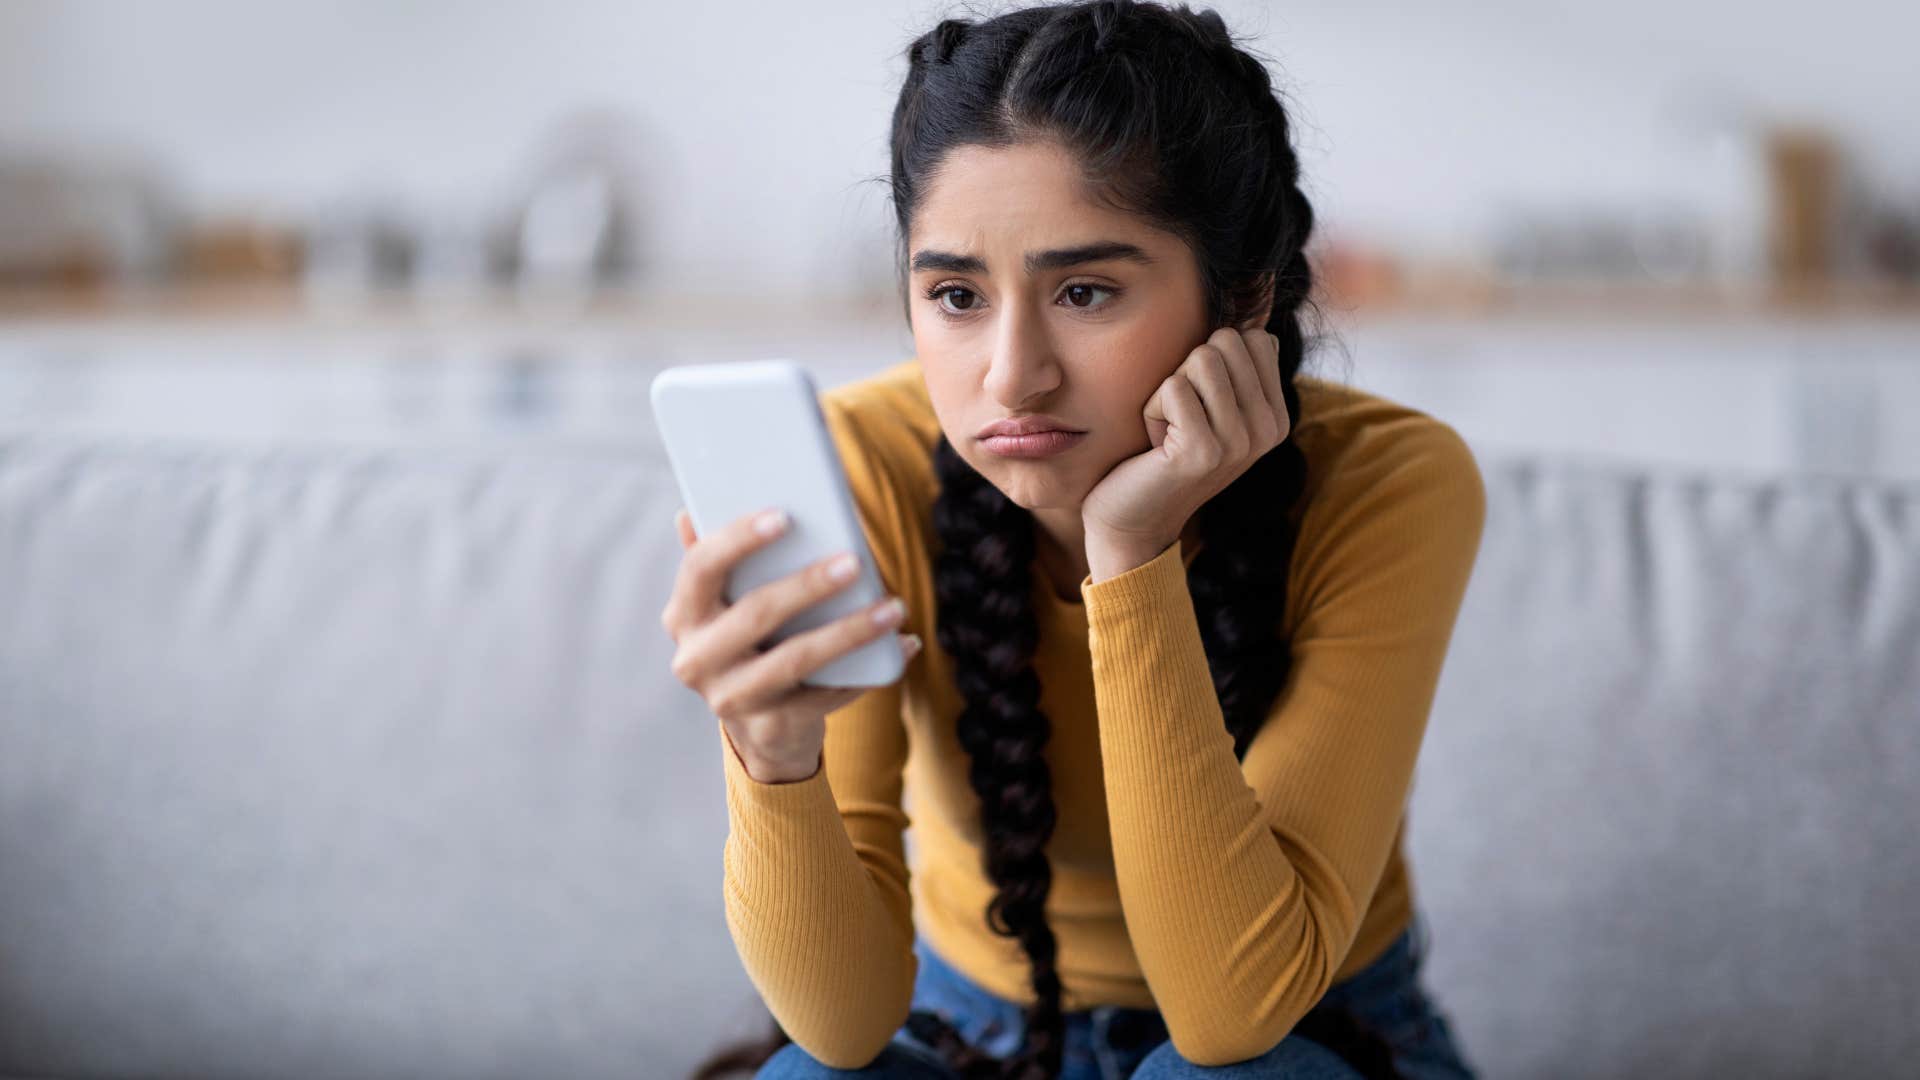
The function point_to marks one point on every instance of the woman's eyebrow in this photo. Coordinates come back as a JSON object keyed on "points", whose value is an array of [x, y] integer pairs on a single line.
{"points": [[1056, 259]]}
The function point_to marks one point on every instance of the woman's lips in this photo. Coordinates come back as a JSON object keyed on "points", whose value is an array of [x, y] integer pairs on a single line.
{"points": [[1037, 445]]}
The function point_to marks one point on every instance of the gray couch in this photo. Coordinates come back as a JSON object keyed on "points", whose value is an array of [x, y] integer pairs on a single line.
{"points": [[360, 763]]}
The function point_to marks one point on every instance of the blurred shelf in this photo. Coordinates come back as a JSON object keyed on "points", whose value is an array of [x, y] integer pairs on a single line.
{"points": [[1642, 303], [287, 305], [618, 310]]}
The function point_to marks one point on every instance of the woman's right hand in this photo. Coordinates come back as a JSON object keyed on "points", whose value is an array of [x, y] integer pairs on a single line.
{"points": [[777, 726]]}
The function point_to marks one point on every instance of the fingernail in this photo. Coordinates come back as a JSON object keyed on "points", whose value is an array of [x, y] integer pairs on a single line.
{"points": [[771, 522], [890, 612], [843, 567], [910, 644]]}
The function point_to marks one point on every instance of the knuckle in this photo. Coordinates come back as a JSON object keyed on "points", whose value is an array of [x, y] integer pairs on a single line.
{"points": [[792, 665], [762, 609], [782, 670]]}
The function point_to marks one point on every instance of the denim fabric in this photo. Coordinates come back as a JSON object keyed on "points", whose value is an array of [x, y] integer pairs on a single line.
{"points": [[1112, 1042]]}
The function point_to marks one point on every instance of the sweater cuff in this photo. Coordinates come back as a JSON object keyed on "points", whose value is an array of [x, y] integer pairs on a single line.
{"points": [[1142, 588]]}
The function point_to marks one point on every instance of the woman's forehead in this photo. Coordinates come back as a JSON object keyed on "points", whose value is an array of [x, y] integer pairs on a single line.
{"points": [[1002, 204]]}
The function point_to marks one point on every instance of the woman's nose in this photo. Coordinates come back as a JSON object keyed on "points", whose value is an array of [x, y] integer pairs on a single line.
{"points": [[1024, 364]]}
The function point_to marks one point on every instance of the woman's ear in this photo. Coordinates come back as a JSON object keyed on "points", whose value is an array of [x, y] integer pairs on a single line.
{"points": [[1258, 319]]}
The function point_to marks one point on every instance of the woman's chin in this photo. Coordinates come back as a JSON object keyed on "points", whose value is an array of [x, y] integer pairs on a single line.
{"points": [[1032, 498]]}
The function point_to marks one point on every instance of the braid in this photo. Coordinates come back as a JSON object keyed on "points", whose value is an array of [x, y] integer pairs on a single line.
{"points": [[1239, 579], [982, 577]]}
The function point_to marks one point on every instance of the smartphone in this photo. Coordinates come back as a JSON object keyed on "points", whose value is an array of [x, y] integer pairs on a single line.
{"points": [[747, 435]]}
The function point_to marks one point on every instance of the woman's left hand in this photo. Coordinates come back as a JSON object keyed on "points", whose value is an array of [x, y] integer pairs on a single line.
{"points": [[1218, 413]]}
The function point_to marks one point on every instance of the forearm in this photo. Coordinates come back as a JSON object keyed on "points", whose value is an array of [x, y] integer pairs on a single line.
{"points": [[826, 939], [1232, 938], [1244, 878], [1233, 941]]}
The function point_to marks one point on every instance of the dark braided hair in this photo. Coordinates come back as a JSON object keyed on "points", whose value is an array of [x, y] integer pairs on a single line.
{"points": [[1169, 118]]}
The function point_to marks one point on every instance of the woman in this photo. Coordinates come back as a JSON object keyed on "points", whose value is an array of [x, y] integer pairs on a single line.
{"points": [[1187, 642]]}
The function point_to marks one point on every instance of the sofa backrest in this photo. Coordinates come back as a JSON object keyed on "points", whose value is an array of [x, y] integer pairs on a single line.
{"points": [[367, 763], [1663, 817]]}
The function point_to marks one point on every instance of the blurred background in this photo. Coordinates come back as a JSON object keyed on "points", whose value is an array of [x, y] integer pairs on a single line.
{"points": [[1667, 232], [322, 755]]}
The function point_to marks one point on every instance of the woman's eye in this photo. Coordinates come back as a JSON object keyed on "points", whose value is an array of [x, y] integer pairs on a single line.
{"points": [[952, 290], [1082, 290]]}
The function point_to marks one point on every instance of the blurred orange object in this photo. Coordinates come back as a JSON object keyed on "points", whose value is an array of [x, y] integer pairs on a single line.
{"points": [[239, 250], [1803, 168], [1348, 275]]}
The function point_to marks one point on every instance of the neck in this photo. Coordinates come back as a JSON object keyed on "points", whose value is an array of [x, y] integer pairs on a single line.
{"points": [[1061, 539]]}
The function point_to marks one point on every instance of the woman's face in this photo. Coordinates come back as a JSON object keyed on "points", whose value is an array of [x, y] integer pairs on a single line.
{"points": [[1016, 311]]}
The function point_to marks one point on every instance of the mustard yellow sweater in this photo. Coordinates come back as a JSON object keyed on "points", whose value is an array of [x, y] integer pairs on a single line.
{"points": [[1228, 895]]}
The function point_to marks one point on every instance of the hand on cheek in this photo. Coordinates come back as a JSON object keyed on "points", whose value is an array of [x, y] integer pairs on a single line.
{"points": [[1220, 411]]}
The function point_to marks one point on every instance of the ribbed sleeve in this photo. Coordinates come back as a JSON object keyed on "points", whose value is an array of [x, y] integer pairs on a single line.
{"points": [[817, 889], [1243, 884]]}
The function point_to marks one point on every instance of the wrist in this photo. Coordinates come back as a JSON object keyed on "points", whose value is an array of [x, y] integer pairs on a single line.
{"points": [[772, 770], [1111, 556], [775, 772]]}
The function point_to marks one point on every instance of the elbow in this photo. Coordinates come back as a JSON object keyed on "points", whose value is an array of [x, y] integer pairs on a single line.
{"points": [[1254, 1044], [858, 1044], [1231, 1046], [1231, 1031], [860, 1051], [877, 1042]]}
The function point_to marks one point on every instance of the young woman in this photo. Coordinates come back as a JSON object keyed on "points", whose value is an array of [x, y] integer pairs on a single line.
{"points": [[1189, 617]]}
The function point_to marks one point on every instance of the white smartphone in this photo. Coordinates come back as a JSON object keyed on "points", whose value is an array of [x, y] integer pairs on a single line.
{"points": [[748, 435]]}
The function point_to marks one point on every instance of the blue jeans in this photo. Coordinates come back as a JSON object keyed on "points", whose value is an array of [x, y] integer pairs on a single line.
{"points": [[1111, 1042]]}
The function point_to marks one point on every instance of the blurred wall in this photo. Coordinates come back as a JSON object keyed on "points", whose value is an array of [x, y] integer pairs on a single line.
{"points": [[762, 123]]}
